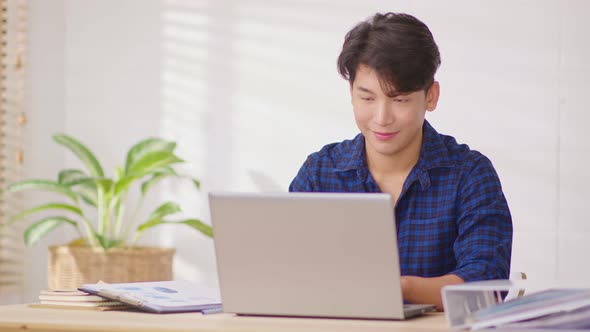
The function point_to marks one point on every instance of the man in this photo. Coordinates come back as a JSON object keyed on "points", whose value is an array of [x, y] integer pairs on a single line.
{"points": [[452, 218]]}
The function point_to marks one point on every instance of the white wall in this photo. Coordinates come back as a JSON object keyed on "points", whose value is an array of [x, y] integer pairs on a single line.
{"points": [[46, 67], [250, 88]]}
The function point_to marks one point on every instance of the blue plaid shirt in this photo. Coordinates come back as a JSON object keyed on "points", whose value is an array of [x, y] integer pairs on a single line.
{"points": [[451, 216]]}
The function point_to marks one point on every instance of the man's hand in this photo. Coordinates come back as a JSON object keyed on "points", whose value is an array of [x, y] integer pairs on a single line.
{"points": [[421, 290]]}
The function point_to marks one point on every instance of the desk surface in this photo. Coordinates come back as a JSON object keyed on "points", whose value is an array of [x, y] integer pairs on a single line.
{"points": [[23, 318]]}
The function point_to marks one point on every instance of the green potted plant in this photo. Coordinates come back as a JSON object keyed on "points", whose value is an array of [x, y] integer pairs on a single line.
{"points": [[106, 249]]}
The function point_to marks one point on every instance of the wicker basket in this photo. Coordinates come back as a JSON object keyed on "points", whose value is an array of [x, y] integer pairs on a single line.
{"points": [[71, 266]]}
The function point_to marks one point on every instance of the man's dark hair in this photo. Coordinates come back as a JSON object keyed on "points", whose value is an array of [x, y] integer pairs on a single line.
{"points": [[399, 47]]}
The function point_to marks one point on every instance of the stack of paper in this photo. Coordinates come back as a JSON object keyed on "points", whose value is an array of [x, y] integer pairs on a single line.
{"points": [[549, 308], [76, 300]]}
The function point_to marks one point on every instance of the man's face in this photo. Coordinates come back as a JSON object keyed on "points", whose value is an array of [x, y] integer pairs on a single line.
{"points": [[391, 125]]}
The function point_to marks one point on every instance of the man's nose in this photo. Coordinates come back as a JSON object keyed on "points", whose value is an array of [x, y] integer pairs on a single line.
{"points": [[384, 114]]}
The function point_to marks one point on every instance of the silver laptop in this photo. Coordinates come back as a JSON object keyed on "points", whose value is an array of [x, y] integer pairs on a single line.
{"points": [[308, 254]]}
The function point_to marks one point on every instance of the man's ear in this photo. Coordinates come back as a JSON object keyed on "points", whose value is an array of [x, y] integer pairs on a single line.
{"points": [[432, 96]]}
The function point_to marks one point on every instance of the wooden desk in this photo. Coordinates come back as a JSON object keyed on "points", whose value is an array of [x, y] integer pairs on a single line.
{"points": [[23, 318]]}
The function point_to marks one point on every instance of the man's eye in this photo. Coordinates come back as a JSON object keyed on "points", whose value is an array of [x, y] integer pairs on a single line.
{"points": [[367, 98], [401, 100]]}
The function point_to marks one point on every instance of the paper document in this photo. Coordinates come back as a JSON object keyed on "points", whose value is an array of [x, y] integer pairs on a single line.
{"points": [[160, 296]]}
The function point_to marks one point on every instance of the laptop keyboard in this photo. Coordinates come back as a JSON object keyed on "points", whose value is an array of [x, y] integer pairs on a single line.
{"points": [[412, 310]]}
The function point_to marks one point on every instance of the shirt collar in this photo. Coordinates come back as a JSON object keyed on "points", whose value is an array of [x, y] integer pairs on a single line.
{"points": [[355, 157], [433, 152]]}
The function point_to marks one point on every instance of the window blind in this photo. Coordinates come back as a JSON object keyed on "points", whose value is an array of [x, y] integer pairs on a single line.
{"points": [[12, 122]]}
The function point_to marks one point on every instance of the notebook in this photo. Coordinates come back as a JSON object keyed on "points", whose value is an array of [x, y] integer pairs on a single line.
{"points": [[308, 254]]}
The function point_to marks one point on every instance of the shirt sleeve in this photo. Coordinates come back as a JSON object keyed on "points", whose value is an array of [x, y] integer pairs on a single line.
{"points": [[484, 226], [302, 181]]}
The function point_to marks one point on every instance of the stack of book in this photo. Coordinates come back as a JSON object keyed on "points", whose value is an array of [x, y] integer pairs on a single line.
{"points": [[155, 296], [76, 300]]}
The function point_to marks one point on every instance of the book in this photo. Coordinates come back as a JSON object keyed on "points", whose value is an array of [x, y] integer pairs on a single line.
{"points": [[62, 292], [159, 296], [84, 304], [75, 300], [77, 307], [72, 298]]}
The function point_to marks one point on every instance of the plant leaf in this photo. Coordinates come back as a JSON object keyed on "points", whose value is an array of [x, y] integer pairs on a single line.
{"points": [[41, 185], [198, 225], [38, 230], [156, 178], [166, 170], [123, 184], [88, 192], [193, 223], [50, 206], [107, 243], [197, 183], [71, 177], [152, 161], [165, 209], [82, 152], [146, 146], [156, 217], [119, 173], [147, 225], [104, 183]]}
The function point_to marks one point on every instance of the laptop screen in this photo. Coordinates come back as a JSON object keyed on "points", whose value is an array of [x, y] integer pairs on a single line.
{"points": [[307, 254]]}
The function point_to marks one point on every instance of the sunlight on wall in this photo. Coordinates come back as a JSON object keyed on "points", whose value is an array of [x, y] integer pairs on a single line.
{"points": [[186, 97], [241, 86]]}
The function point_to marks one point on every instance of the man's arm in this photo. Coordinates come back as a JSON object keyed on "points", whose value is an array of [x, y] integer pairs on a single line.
{"points": [[483, 245], [484, 237], [427, 290]]}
